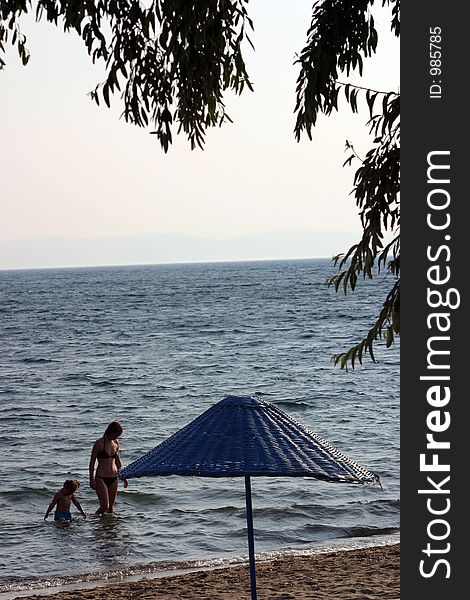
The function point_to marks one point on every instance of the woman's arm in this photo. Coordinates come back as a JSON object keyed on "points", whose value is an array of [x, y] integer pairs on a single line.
{"points": [[119, 464], [93, 457], [118, 457]]}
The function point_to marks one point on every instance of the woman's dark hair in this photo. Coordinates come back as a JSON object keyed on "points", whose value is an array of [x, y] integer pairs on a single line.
{"points": [[114, 428]]}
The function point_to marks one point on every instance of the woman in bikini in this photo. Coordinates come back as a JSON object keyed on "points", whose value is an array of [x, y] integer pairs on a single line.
{"points": [[105, 481]]}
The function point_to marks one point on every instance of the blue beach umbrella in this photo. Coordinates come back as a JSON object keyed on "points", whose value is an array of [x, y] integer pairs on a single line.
{"points": [[248, 437]]}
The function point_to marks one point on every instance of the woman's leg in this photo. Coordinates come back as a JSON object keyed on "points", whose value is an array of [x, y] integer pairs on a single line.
{"points": [[112, 492], [101, 490]]}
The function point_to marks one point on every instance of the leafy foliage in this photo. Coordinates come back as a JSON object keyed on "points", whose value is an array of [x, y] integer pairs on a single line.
{"points": [[172, 61], [341, 35], [174, 58]]}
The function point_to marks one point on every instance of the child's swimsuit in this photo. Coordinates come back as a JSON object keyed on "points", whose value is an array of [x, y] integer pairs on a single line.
{"points": [[60, 515]]}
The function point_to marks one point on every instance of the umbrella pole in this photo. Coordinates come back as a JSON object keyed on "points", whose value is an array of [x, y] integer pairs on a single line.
{"points": [[251, 537]]}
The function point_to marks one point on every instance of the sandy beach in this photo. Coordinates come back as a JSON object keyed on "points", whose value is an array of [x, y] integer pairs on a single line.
{"points": [[366, 574]]}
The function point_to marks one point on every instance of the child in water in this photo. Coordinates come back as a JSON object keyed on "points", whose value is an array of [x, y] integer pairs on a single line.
{"points": [[63, 498]]}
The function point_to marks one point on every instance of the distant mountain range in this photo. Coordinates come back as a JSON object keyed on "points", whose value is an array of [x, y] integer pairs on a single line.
{"points": [[167, 248]]}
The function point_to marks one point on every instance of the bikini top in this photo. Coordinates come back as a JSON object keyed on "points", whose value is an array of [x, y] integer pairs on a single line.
{"points": [[104, 454]]}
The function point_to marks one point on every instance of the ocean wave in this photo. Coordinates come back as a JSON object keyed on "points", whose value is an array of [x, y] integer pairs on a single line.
{"points": [[292, 404], [361, 531], [225, 510], [24, 493], [388, 501], [75, 377], [93, 379], [119, 344], [23, 416], [144, 498], [33, 360], [102, 382]]}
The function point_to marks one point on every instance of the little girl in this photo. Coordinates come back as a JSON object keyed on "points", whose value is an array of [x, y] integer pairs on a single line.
{"points": [[63, 498]]}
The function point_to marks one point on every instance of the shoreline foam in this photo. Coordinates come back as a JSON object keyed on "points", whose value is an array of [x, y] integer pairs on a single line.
{"points": [[204, 566], [369, 574]]}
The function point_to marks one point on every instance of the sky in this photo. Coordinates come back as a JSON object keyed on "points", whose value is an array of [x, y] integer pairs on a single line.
{"points": [[76, 177]]}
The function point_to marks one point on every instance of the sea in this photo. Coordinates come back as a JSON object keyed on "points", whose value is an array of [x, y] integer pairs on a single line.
{"points": [[153, 347]]}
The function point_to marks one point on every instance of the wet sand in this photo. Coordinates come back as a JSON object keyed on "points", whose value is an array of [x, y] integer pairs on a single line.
{"points": [[364, 574]]}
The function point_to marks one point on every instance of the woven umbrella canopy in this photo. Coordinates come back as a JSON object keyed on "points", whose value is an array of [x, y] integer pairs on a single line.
{"points": [[246, 437]]}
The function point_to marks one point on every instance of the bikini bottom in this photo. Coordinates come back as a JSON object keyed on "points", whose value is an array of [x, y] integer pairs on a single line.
{"points": [[107, 480]]}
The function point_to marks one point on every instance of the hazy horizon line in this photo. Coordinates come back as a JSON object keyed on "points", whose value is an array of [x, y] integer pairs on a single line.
{"points": [[169, 263], [61, 252]]}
